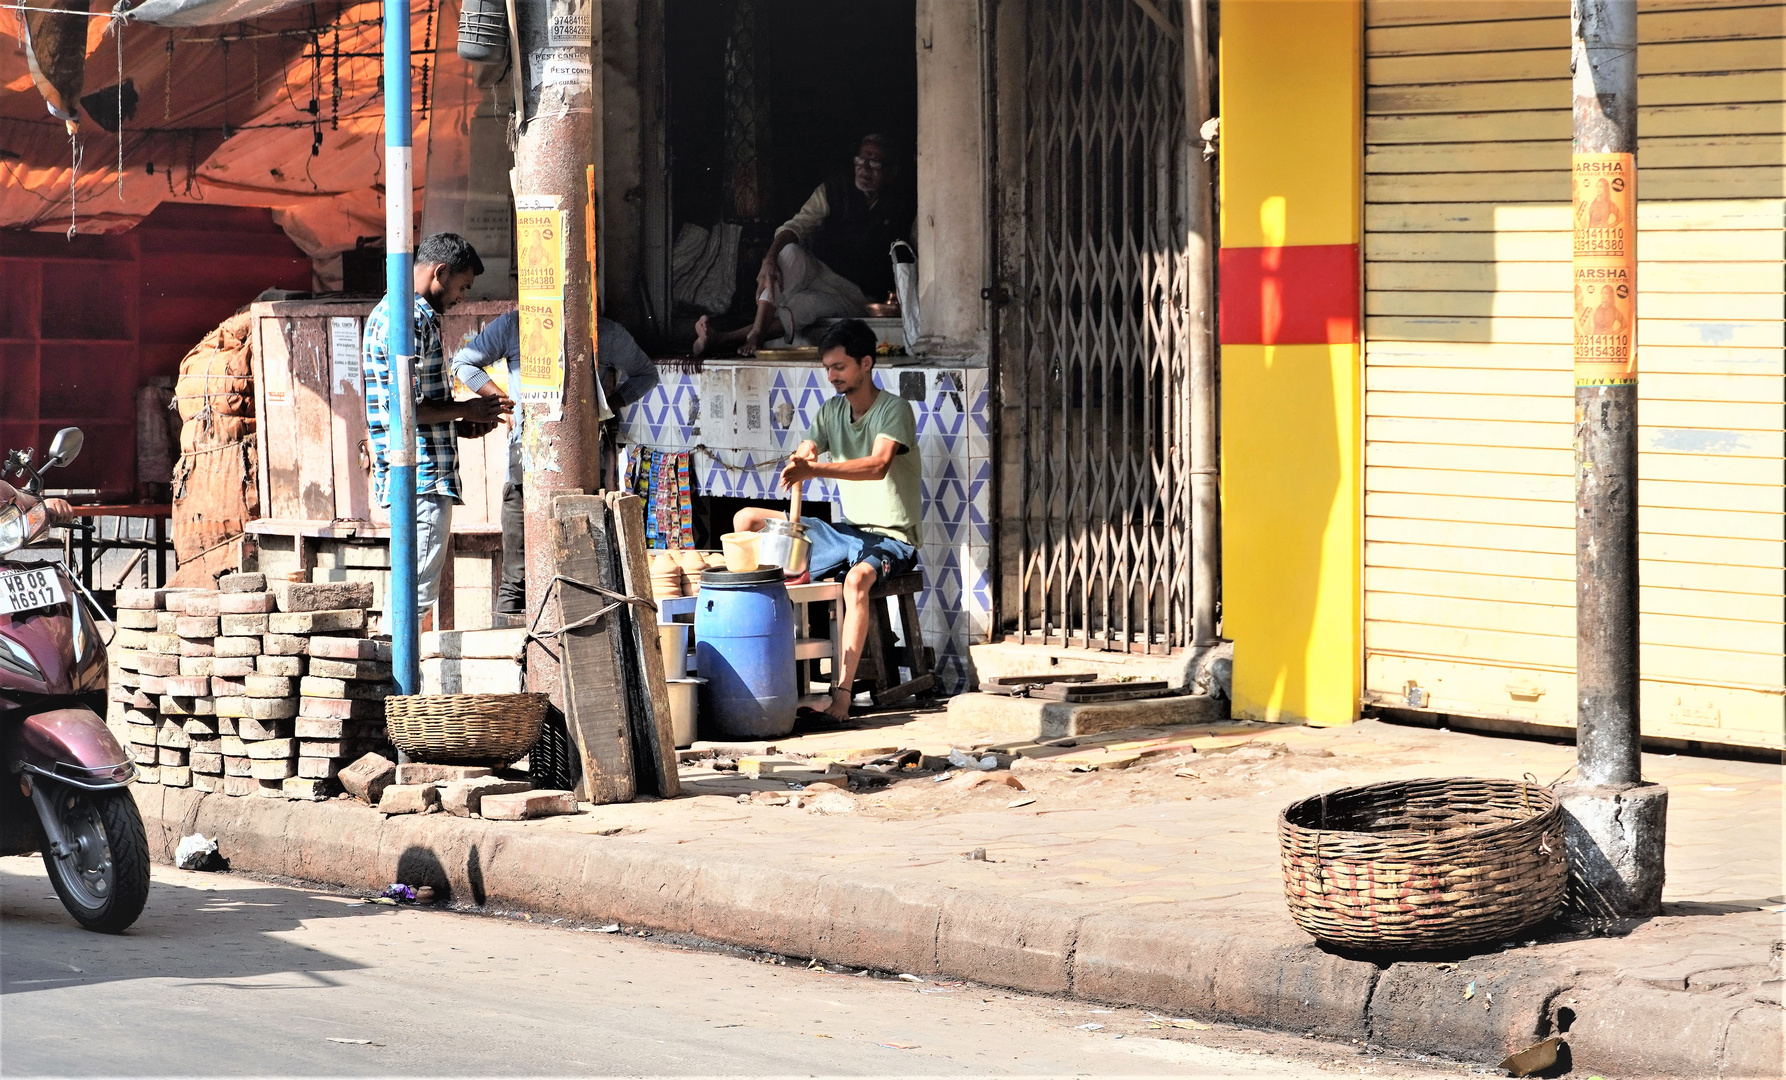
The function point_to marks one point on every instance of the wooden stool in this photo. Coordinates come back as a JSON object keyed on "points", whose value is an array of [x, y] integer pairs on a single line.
{"points": [[882, 655]]}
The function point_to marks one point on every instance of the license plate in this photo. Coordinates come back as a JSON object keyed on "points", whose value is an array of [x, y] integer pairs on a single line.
{"points": [[30, 590]]}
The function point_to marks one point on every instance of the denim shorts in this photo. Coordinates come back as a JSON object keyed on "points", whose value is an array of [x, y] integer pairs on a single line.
{"points": [[838, 547]]}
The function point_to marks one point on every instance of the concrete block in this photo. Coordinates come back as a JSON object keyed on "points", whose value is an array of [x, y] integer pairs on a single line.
{"points": [[417, 773], [129, 643], [197, 667], [236, 646], [167, 622], [272, 768], [523, 805], [141, 734], [346, 648], [237, 766], [199, 603], [186, 686], [151, 686], [318, 768], [148, 774], [464, 798], [242, 583], [409, 799], [196, 626], [996, 718], [364, 670], [136, 619], [271, 708], [1615, 839], [207, 764], [289, 666], [164, 644], [199, 727], [270, 787], [167, 755], [222, 687], [271, 749], [301, 597], [316, 622], [243, 625], [233, 746], [1422, 1007], [314, 686], [310, 727], [444, 675], [285, 644], [340, 709], [226, 725], [158, 664], [176, 776], [308, 789], [238, 786], [143, 599], [206, 782], [270, 686], [233, 667], [232, 706], [171, 733], [367, 778], [1755, 1044], [144, 754], [197, 647], [249, 729], [505, 644], [248, 603], [1620, 1028]]}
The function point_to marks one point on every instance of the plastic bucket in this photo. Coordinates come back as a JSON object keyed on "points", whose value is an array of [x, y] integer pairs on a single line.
{"points": [[740, 551], [685, 715], [673, 636]]}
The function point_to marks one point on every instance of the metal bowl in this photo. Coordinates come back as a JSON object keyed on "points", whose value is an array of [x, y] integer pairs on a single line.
{"points": [[784, 544], [883, 311]]}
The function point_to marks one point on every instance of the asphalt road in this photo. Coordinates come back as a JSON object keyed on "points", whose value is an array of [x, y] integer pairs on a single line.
{"points": [[229, 976]]}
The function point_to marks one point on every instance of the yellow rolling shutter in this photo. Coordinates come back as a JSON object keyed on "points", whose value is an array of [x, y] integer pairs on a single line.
{"points": [[1469, 528]]}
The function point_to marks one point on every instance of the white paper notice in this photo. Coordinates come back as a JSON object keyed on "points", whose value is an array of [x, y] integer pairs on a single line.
{"points": [[561, 67], [344, 356], [570, 23]]}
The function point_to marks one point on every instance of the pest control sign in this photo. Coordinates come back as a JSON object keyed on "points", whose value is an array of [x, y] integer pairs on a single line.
{"points": [[1605, 269], [539, 235]]}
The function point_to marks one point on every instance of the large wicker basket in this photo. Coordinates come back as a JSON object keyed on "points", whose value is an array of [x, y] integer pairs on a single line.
{"points": [[462, 729], [1423, 864]]}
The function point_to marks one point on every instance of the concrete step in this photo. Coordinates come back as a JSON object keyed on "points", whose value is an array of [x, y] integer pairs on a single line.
{"points": [[994, 718]]}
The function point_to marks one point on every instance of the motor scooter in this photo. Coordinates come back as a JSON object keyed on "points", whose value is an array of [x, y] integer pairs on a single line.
{"points": [[66, 789]]}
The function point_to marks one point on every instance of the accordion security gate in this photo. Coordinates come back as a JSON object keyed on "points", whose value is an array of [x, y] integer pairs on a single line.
{"points": [[1093, 354]]}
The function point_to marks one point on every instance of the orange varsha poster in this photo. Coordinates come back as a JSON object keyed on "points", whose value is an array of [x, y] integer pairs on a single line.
{"points": [[1605, 278]]}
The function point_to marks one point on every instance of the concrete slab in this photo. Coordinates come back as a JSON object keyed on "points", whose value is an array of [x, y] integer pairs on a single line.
{"points": [[997, 718]]}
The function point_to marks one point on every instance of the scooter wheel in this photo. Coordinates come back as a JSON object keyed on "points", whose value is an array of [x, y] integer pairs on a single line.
{"points": [[104, 880]]}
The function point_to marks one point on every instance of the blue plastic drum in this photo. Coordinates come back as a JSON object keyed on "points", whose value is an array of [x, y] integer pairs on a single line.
{"points": [[744, 648]]}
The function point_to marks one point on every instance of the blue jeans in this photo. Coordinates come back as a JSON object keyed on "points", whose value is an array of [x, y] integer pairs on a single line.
{"points": [[837, 548]]}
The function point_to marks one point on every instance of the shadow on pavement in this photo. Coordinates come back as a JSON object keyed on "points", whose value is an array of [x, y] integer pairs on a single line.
{"points": [[227, 931]]}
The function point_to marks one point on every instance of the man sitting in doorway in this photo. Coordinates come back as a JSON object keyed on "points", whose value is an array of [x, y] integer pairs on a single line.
{"points": [[830, 259], [872, 437], [445, 266], [624, 374]]}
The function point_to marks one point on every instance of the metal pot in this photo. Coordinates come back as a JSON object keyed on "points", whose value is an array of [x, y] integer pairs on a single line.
{"points": [[784, 543]]}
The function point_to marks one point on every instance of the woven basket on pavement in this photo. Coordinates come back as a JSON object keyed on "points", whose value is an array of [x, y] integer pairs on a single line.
{"points": [[1423, 864], [458, 729]]}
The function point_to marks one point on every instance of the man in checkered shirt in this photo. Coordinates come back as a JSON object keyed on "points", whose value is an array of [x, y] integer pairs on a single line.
{"points": [[445, 266]]}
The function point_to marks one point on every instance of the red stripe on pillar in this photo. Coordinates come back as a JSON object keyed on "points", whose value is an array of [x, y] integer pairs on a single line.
{"points": [[1304, 295]]}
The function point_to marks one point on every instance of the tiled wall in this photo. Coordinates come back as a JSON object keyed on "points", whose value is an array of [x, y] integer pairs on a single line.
{"points": [[749, 415]]}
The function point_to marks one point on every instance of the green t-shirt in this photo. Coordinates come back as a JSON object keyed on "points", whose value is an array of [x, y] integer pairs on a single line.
{"points": [[888, 506]]}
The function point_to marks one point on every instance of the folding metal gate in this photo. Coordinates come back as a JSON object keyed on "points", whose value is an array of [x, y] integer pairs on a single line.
{"points": [[1092, 334]]}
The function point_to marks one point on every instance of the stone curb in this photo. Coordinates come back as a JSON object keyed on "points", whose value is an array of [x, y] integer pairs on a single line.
{"points": [[1256, 971]]}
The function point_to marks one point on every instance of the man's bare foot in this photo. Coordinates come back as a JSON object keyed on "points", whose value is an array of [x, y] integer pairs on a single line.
{"points": [[749, 347], [839, 708], [703, 335]]}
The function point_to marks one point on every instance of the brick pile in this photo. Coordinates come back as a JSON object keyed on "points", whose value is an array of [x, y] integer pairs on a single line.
{"points": [[225, 682], [141, 660]]}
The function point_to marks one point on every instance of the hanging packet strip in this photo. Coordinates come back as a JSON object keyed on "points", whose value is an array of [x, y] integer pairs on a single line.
{"points": [[685, 493]]}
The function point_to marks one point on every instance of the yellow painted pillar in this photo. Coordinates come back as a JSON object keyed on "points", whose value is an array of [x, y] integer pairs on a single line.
{"points": [[1292, 440]]}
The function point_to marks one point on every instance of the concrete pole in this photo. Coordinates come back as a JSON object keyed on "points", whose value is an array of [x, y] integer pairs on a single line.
{"points": [[1616, 824], [1206, 501], [400, 348], [555, 149]]}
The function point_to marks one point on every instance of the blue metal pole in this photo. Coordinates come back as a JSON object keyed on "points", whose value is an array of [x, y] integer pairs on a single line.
{"points": [[400, 289]]}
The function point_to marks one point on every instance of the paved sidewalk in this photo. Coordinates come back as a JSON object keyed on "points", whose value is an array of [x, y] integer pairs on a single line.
{"points": [[1153, 885]]}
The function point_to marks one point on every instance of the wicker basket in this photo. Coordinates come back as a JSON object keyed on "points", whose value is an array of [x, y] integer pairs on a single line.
{"points": [[461, 729], [1423, 864]]}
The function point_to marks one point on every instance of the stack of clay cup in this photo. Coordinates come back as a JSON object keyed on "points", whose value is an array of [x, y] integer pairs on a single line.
{"points": [[666, 576]]}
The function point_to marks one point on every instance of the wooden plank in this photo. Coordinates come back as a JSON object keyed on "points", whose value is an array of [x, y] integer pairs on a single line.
{"points": [[261, 348], [1747, 498], [1455, 643], [1716, 550], [1101, 691], [1655, 122], [1537, 33], [1712, 577], [1734, 333], [1483, 485], [308, 360], [593, 666], [1545, 620], [1761, 181], [1038, 679], [279, 457], [1725, 214], [1759, 608], [1653, 91], [474, 508], [1420, 429], [1545, 409], [1653, 58], [1486, 275], [1552, 515], [1513, 563], [1386, 13], [657, 748], [1696, 307], [1506, 245], [1692, 468]]}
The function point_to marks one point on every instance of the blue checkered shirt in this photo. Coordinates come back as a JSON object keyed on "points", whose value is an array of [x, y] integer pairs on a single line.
{"points": [[437, 447]]}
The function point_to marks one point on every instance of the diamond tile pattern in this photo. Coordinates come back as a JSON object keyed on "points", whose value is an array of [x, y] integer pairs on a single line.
{"points": [[766, 408]]}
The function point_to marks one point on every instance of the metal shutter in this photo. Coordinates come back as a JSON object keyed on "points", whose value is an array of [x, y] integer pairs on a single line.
{"points": [[1469, 538]]}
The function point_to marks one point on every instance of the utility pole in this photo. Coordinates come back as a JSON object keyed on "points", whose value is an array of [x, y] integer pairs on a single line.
{"points": [[554, 153], [1615, 823], [1206, 500], [400, 347]]}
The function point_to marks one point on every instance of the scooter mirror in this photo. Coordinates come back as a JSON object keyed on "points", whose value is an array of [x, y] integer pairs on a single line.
{"points": [[66, 447]]}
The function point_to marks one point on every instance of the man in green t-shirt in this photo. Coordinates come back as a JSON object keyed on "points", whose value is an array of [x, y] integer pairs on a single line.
{"points": [[872, 437]]}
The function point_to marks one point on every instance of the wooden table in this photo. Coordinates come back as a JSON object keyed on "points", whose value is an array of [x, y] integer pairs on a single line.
{"points": [[807, 648]]}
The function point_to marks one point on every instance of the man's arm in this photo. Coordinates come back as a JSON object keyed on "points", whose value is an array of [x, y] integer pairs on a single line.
{"points": [[872, 467], [794, 230], [495, 342], [621, 353]]}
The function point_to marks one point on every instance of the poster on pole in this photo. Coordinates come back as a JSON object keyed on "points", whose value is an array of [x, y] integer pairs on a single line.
{"points": [[1605, 269], [539, 235]]}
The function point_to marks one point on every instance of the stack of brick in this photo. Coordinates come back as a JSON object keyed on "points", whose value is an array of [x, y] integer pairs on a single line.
{"points": [[142, 658], [341, 705]]}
